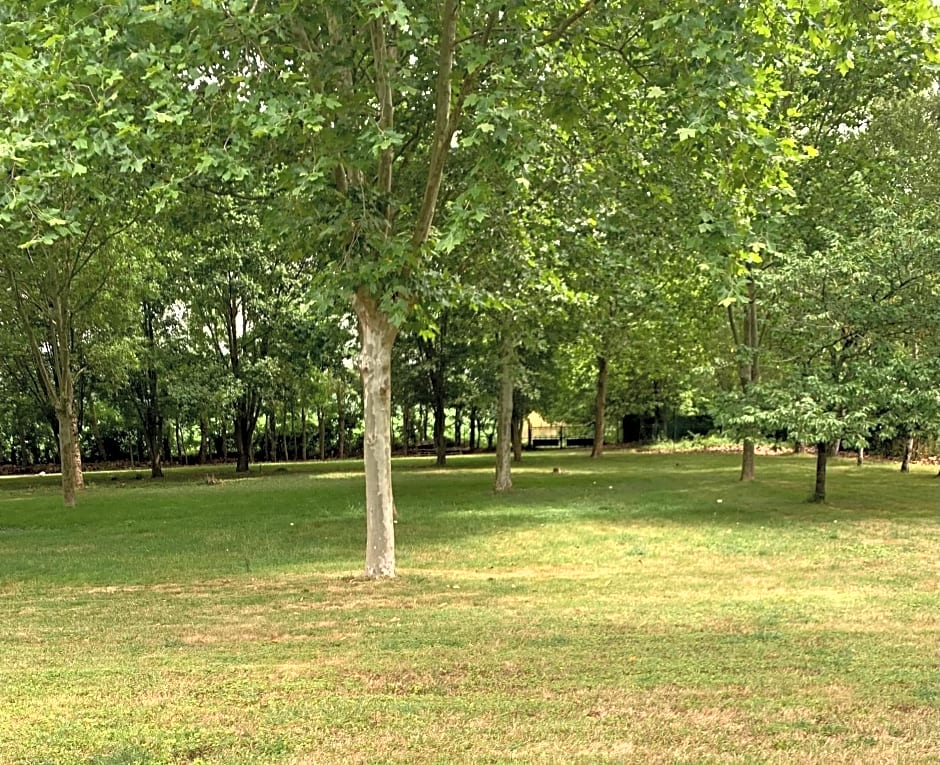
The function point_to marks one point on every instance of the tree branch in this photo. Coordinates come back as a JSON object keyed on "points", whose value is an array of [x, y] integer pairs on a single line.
{"points": [[440, 145], [562, 27]]}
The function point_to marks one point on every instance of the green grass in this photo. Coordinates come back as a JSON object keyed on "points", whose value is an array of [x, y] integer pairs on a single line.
{"points": [[646, 608]]}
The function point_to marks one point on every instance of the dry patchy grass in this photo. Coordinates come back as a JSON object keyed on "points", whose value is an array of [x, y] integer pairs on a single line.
{"points": [[569, 623]]}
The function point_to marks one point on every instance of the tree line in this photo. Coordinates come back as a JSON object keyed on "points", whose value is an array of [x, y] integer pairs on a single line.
{"points": [[220, 214]]}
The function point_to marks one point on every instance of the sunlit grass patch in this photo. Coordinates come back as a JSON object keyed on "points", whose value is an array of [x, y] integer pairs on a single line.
{"points": [[614, 611]]}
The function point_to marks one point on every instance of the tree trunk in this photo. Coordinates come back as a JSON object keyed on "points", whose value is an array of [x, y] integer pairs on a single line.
{"points": [[747, 461], [440, 442], [423, 414], [156, 460], [504, 421], [341, 420], [835, 446], [69, 452], [516, 436], [181, 456], [908, 453], [303, 434], [860, 456], [748, 365], [242, 444], [96, 430], [822, 454], [406, 419], [458, 426], [203, 439], [473, 429], [321, 434], [270, 436], [600, 406], [377, 337]]}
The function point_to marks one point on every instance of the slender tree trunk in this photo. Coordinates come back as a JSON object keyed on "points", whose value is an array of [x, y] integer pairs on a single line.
{"points": [[203, 439], [458, 426], [473, 429], [27, 456], [321, 434], [423, 413], [69, 452], [860, 456], [600, 406], [748, 365], [516, 436], [294, 451], [908, 453], [270, 436], [504, 420], [377, 336], [822, 455], [440, 442], [835, 446], [181, 457], [303, 434], [96, 429], [406, 419], [341, 420]]}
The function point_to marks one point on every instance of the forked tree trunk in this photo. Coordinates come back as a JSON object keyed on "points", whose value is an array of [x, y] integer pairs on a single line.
{"points": [[377, 336], [908, 453], [822, 455], [504, 418], [600, 406]]}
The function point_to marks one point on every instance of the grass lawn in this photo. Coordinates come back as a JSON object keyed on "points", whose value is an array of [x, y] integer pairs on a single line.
{"points": [[640, 609]]}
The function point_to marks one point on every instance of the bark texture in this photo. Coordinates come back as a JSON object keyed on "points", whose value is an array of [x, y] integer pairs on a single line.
{"points": [[70, 454], [377, 336], [908, 453], [747, 460], [822, 456]]}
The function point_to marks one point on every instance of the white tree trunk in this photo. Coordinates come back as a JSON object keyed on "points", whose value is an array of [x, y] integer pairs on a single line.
{"points": [[504, 420], [377, 336]]}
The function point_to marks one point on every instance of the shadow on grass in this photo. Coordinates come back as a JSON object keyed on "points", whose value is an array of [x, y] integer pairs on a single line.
{"points": [[185, 529]]}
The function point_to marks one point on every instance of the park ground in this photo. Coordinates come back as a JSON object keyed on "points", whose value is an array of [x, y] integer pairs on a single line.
{"points": [[644, 608]]}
